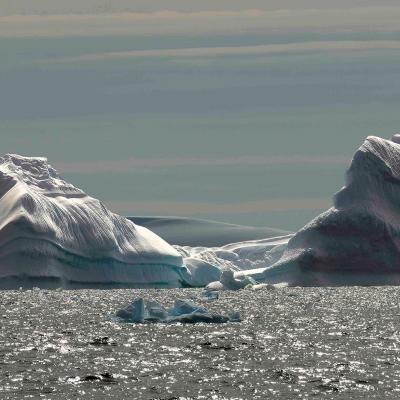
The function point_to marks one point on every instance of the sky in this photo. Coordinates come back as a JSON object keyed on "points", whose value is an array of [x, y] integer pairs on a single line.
{"points": [[241, 111]]}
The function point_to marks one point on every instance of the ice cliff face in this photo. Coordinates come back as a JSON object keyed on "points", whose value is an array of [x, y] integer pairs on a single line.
{"points": [[50, 229], [357, 241]]}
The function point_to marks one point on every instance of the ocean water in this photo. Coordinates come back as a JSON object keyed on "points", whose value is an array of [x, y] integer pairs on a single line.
{"points": [[339, 343]]}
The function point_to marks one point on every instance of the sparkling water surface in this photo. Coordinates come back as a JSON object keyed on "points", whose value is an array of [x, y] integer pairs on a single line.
{"points": [[341, 343]]}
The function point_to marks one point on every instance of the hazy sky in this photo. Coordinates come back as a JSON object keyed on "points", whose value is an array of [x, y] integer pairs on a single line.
{"points": [[243, 111], [116, 18], [9, 7]]}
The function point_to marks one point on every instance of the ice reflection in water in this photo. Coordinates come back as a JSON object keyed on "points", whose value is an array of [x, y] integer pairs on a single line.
{"points": [[293, 343]]}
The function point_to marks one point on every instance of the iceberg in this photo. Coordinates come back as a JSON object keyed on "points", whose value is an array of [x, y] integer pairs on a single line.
{"points": [[357, 241], [228, 281], [233, 266], [54, 234], [134, 312], [206, 263], [183, 311]]}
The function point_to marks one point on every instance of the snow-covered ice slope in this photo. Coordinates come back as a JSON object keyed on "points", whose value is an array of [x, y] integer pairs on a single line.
{"points": [[50, 230], [357, 241]]}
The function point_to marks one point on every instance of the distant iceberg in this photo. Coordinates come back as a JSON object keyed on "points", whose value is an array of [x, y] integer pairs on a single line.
{"points": [[183, 311], [52, 233]]}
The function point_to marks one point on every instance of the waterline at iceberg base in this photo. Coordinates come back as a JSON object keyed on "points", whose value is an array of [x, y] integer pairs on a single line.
{"points": [[53, 234]]}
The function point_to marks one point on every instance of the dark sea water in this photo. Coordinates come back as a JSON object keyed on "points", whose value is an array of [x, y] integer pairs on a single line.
{"points": [[341, 343]]}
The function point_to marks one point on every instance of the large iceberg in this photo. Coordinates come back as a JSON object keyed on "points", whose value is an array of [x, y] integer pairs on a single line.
{"points": [[52, 233], [357, 241]]}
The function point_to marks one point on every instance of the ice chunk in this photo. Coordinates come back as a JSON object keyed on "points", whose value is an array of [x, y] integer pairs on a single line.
{"points": [[234, 316], [133, 312], [263, 286], [215, 286], [183, 311], [201, 271], [155, 311], [210, 294], [186, 306], [228, 281]]}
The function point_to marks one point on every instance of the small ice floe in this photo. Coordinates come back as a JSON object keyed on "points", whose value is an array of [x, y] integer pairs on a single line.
{"points": [[227, 281], [209, 295], [134, 312], [262, 286], [155, 311], [234, 316], [102, 341], [105, 378], [183, 310], [186, 306]]}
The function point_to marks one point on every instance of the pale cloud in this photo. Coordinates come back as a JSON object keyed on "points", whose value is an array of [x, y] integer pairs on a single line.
{"points": [[202, 22], [206, 208], [301, 47], [131, 16], [12, 7], [121, 166]]}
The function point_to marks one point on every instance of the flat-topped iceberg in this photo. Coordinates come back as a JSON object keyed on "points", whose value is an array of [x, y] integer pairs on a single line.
{"points": [[52, 233]]}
